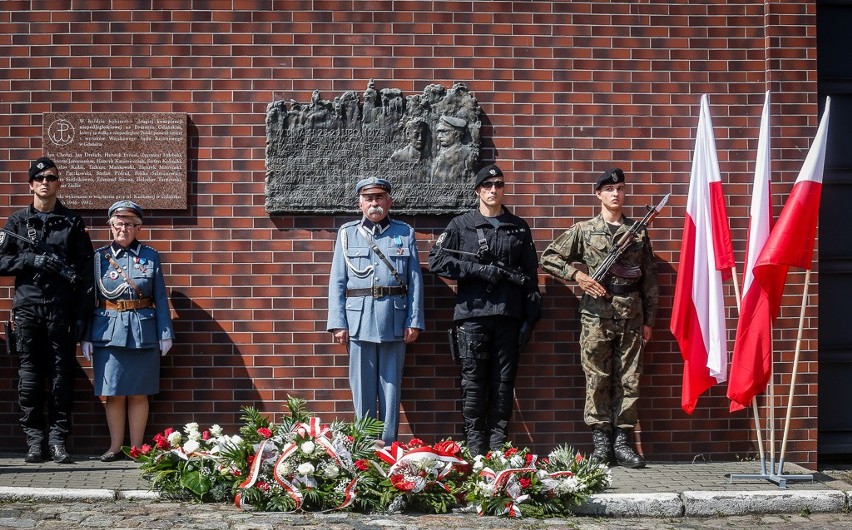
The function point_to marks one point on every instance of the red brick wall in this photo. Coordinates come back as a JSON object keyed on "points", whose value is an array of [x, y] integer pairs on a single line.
{"points": [[568, 89]]}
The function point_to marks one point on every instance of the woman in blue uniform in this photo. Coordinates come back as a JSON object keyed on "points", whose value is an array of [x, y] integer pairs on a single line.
{"points": [[130, 329]]}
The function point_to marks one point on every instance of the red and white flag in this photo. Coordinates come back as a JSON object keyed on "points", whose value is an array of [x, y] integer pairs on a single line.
{"points": [[706, 260], [790, 244]]}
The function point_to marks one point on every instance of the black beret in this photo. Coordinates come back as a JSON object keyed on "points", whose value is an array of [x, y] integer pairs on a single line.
{"points": [[486, 173], [612, 176], [39, 165]]}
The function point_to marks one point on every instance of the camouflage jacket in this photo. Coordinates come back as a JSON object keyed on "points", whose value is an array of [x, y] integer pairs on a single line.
{"points": [[589, 242]]}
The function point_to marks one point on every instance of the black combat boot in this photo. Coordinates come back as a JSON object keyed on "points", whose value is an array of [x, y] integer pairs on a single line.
{"points": [[603, 447], [624, 453]]}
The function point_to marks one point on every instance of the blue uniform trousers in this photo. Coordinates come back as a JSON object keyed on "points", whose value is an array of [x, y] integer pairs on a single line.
{"points": [[375, 372]]}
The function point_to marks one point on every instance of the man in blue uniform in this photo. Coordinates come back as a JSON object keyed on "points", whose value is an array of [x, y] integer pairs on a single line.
{"points": [[375, 302], [54, 295]]}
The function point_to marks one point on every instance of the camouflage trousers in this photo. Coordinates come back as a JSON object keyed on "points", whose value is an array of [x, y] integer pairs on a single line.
{"points": [[611, 355]]}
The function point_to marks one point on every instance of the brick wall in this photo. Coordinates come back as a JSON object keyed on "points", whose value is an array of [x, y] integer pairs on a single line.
{"points": [[568, 89]]}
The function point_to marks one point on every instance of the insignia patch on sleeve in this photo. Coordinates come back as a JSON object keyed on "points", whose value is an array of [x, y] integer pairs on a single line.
{"points": [[441, 239]]}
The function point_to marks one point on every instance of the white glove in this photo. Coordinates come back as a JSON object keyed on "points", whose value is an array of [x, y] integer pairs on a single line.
{"points": [[87, 349], [165, 346]]}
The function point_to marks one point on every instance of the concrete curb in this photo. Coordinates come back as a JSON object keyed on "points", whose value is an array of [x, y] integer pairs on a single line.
{"points": [[715, 503], [633, 505], [8, 493], [662, 505]]}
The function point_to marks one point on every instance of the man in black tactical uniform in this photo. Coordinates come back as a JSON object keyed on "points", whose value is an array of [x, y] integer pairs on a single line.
{"points": [[54, 296], [490, 252]]}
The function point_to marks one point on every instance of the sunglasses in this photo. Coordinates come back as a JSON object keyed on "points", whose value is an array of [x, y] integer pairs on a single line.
{"points": [[49, 178], [488, 184]]}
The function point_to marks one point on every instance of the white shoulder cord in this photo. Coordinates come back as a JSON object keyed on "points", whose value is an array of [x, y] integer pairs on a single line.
{"points": [[359, 273], [106, 292]]}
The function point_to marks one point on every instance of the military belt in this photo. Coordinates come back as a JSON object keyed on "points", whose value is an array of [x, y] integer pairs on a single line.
{"points": [[377, 291], [126, 305], [622, 288]]}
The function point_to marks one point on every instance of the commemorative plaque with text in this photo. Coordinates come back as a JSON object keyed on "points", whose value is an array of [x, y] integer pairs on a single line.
{"points": [[427, 145], [105, 157]]}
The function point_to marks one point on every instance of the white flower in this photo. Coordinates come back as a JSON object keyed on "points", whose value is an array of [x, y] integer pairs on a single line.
{"points": [[517, 461], [191, 446], [305, 469], [331, 471], [477, 463], [190, 428], [216, 430], [567, 485], [193, 435], [486, 488], [308, 447], [236, 439], [175, 438]]}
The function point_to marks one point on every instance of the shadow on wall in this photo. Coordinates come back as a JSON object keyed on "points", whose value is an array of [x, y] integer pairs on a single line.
{"points": [[203, 377]]}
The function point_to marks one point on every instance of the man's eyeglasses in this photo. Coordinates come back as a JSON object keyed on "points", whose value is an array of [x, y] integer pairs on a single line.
{"points": [[488, 184], [49, 178], [122, 224]]}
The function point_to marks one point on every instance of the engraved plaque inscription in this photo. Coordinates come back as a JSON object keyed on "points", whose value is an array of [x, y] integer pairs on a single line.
{"points": [[104, 157], [426, 144]]}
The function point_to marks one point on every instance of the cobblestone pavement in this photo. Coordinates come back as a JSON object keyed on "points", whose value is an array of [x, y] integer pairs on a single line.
{"points": [[148, 515]]}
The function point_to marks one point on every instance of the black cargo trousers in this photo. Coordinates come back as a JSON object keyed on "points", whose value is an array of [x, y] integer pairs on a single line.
{"points": [[488, 350], [46, 346]]}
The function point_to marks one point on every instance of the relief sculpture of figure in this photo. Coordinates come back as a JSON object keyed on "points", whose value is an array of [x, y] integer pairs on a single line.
{"points": [[454, 159], [415, 133]]}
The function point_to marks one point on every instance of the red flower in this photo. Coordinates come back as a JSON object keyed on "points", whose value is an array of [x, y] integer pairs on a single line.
{"points": [[146, 449], [135, 452], [362, 464], [524, 482], [350, 438], [448, 447], [167, 432], [579, 458], [416, 442], [266, 433], [262, 486], [510, 452], [205, 435], [401, 484], [528, 459], [161, 441], [250, 460]]}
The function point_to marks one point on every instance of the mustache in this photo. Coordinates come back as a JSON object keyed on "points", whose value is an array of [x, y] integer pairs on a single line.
{"points": [[377, 210]]}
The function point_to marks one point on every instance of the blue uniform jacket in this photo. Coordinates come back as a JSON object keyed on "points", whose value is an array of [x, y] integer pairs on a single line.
{"points": [[375, 319], [136, 328]]}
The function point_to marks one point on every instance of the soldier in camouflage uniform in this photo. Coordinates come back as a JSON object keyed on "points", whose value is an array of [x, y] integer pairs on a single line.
{"points": [[617, 317]]}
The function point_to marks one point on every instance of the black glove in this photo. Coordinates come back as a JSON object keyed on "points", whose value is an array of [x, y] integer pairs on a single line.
{"points": [[490, 274], [43, 262], [80, 330], [525, 334]]}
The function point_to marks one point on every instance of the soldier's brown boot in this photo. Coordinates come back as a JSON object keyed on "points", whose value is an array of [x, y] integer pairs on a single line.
{"points": [[603, 447], [624, 453]]}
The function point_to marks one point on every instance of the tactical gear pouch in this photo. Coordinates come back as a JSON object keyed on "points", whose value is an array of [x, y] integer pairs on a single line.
{"points": [[10, 338], [472, 345]]}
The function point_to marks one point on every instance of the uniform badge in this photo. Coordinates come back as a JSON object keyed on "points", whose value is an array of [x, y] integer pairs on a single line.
{"points": [[441, 239], [2, 238]]}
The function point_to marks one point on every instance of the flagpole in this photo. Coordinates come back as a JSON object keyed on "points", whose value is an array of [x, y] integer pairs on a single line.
{"points": [[757, 427], [795, 372]]}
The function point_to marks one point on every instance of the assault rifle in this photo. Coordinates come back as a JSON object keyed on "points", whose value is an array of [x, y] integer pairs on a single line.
{"points": [[66, 272], [609, 263], [486, 257]]}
